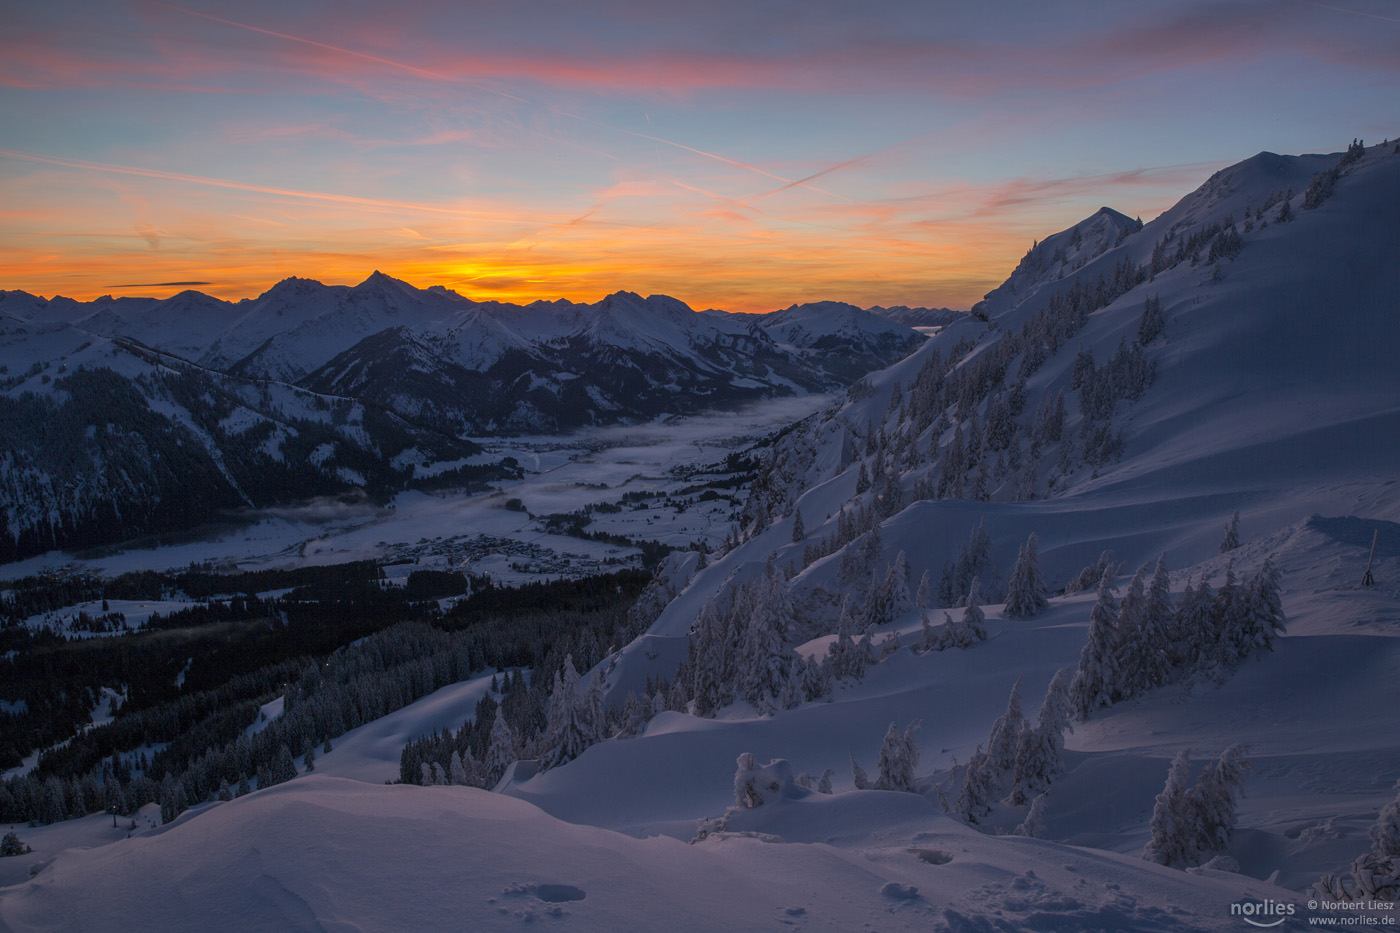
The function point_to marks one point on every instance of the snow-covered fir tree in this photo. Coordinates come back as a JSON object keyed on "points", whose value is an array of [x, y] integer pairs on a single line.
{"points": [[973, 618], [1171, 840], [1033, 826], [1092, 574], [1159, 632], [1374, 875], [897, 585], [1133, 656], [1039, 744], [1097, 677], [1190, 823], [632, 719], [847, 658], [763, 661], [1025, 589], [979, 788], [1232, 534], [858, 775], [1001, 743], [570, 723], [899, 757], [1261, 612], [502, 750], [1211, 804], [711, 657]]}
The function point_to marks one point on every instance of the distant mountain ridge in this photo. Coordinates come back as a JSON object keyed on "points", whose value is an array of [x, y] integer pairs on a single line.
{"points": [[490, 367], [128, 416]]}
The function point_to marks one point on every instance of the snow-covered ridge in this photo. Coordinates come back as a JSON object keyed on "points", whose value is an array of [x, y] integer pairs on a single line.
{"points": [[300, 325]]}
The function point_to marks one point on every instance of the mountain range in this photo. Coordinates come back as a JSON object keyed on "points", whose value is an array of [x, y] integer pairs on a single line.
{"points": [[132, 415]]}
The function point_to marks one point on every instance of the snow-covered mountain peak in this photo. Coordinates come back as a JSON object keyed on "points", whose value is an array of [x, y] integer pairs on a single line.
{"points": [[1058, 256], [290, 288], [1263, 179], [807, 324]]}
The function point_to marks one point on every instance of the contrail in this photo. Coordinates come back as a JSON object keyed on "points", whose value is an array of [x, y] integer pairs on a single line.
{"points": [[413, 69], [438, 76], [789, 183], [840, 165], [259, 189], [1328, 6]]}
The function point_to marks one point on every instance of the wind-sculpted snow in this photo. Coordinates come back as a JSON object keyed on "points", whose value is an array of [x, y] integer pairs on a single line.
{"points": [[321, 853]]}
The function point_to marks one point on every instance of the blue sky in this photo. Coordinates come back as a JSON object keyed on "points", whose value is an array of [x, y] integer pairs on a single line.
{"points": [[736, 155]]}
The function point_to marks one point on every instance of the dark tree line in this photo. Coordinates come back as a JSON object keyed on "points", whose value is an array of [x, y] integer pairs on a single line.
{"points": [[179, 745]]}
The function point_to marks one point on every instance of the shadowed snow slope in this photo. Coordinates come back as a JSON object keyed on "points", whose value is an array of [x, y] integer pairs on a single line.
{"points": [[326, 853]]}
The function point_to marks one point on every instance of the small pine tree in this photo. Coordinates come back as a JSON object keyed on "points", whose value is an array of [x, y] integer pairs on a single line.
{"points": [[1159, 631], [283, 768], [979, 788], [799, 527], [1098, 675], [11, 845], [1001, 744], [973, 619], [1171, 835], [1262, 608], [1025, 590], [899, 756], [924, 598], [1033, 826], [501, 751], [570, 727], [1133, 666], [1211, 804], [1039, 745], [1232, 534], [858, 774]]}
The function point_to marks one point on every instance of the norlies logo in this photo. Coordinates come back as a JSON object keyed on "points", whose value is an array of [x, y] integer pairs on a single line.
{"points": [[1265, 913]]}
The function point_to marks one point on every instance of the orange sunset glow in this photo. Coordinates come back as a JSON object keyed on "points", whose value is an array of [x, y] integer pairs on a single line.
{"points": [[734, 158]]}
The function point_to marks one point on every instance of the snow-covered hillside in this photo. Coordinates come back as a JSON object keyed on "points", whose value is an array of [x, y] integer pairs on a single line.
{"points": [[1129, 389], [106, 439]]}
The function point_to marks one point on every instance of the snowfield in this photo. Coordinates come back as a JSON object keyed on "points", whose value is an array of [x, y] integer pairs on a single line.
{"points": [[329, 853]]}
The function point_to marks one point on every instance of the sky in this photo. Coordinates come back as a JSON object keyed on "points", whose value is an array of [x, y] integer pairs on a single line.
{"points": [[738, 154]]}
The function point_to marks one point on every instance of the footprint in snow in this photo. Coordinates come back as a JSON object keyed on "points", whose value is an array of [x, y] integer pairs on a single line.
{"points": [[549, 893]]}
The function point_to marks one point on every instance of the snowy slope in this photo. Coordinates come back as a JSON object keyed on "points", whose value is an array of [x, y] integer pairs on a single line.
{"points": [[1274, 394], [326, 853]]}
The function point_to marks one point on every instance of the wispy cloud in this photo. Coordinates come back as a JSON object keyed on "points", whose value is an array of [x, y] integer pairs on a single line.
{"points": [[349, 200]]}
